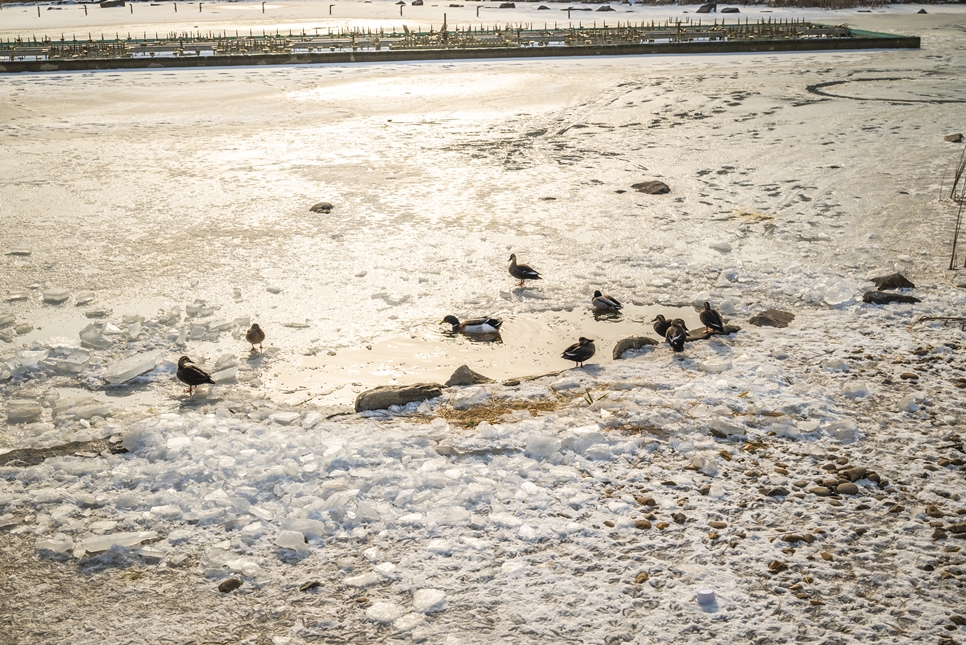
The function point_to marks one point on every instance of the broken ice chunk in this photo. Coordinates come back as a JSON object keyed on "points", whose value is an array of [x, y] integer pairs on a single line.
{"points": [[83, 298], [224, 375], [16, 296], [127, 368], [71, 361], [224, 361], [384, 612], [7, 319], [292, 540], [21, 411], [365, 580], [56, 296], [133, 330], [199, 308], [110, 329], [60, 543], [91, 337], [429, 600], [104, 542], [80, 408]]}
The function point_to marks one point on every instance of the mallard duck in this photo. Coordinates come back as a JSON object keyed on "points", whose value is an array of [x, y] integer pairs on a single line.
{"points": [[255, 335], [661, 325], [191, 374], [474, 326], [676, 334], [580, 351], [521, 271], [602, 301], [711, 319]]}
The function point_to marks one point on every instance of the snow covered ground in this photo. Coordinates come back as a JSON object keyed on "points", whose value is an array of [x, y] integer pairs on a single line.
{"points": [[171, 208]]}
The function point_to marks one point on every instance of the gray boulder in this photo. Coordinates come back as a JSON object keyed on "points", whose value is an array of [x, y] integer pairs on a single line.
{"points": [[772, 318], [730, 10], [634, 342], [954, 138], [321, 207], [465, 376], [707, 8], [382, 397]]}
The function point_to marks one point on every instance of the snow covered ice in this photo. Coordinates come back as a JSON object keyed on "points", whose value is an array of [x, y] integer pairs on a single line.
{"points": [[809, 475]]}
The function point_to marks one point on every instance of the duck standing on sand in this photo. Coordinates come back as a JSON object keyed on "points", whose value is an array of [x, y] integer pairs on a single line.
{"points": [[474, 326], [605, 302], [711, 319], [191, 374], [255, 335], [521, 271], [580, 351], [661, 325], [676, 334]]}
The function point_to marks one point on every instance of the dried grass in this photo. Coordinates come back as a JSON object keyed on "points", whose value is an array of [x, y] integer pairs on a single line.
{"points": [[492, 413]]}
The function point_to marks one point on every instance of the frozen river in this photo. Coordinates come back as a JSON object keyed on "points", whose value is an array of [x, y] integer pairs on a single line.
{"points": [[172, 208]]}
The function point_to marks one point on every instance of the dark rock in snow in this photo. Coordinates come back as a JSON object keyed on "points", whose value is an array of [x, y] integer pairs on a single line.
{"points": [[772, 318], [726, 330], [894, 281], [634, 342], [652, 187], [707, 8], [322, 207], [922, 11], [730, 10], [883, 298], [606, 7], [507, 5], [465, 376], [229, 585], [310, 585], [543, 7], [954, 138], [417, 3], [381, 398]]}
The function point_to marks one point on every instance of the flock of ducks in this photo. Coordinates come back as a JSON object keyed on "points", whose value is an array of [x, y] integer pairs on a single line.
{"points": [[674, 332]]}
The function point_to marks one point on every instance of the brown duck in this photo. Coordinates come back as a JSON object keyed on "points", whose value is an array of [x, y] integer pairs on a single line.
{"points": [[255, 336], [191, 374]]}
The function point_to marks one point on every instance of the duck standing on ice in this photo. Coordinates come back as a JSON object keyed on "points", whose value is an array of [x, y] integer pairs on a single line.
{"points": [[580, 351], [661, 325], [191, 374], [676, 334], [521, 271], [255, 335]]}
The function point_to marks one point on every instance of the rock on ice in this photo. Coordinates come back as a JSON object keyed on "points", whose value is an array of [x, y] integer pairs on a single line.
{"points": [[127, 368], [429, 600]]}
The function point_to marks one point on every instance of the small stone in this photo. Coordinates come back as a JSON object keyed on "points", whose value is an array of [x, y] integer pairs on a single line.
{"points": [[847, 488], [652, 187], [860, 531], [465, 376], [608, 523], [826, 556], [777, 566], [800, 483], [662, 525], [939, 534], [896, 509], [954, 138], [809, 538], [310, 585], [646, 501], [679, 518], [777, 491], [821, 491], [705, 490], [229, 585], [793, 537], [909, 376], [718, 525], [884, 298], [642, 577], [958, 620], [893, 281], [854, 474], [321, 207], [933, 511], [641, 525], [957, 528]]}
